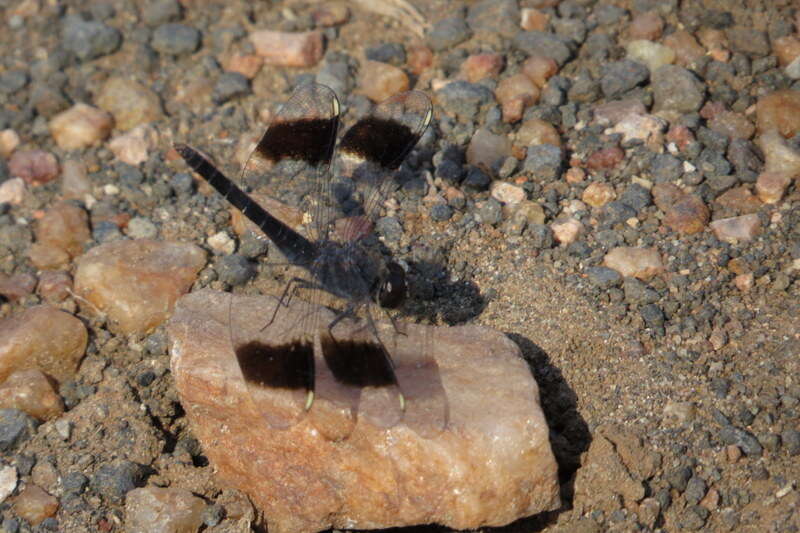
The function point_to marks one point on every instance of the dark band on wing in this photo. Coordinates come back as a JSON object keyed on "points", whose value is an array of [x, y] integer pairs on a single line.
{"points": [[287, 366], [310, 140], [385, 142], [358, 363]]}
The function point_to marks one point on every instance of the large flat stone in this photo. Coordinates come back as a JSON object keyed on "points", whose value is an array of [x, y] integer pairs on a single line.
{"points": [[488, 466]]}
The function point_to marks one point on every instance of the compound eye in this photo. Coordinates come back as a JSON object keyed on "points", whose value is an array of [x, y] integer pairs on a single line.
{"points": [[393, 291]]}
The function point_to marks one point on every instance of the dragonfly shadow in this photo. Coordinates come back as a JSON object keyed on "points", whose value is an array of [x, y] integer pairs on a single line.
{"points": [[433, 294]]}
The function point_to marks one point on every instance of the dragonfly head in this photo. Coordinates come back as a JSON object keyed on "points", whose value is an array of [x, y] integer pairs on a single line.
{"points": [[392, 290]]}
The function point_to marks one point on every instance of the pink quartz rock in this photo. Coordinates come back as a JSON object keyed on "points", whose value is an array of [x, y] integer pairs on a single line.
{"points": [[9, 140], [163, 510], [32, 392], [598, 194], [136, 282], [33, 504], [35, 167], [378, 81], [286, 49], [17, 286], [248, 65], [647, 25], [42, 337], [74, 180], [66, 226], [134, 146], [514, 94], [779, 156], [736, 229], [80, 126], [486, 149], [642, 263], [490, 465], [539, 69], [479, 66], [12, 191], [537, 131], [770, 186], [780, 111], [130, 103], [566, 230], [54, 286], [740, 200]]}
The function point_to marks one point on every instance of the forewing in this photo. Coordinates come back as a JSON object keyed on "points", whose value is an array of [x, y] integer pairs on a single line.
{"points": [[292, 160], [369, 154]]}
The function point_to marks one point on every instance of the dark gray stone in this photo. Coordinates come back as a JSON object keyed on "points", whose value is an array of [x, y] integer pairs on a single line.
{"points": [[235, 269], [666, 168], [712, 139], [636, 197], [791, 441], [678, 478], [175, 39], [638, 293], [543, 43], [653, 315], [607, 14], [392, 53], [74, 482], [229, 86], [540, 235], [543, 161], [603, 277], [447, 33], [12, 81], [621, 76], [161, 12], [744, 155], [450, 171], [713, 162], [252, 245], [390, 228], [114, 481], [476, 179], [441, 212], [573, 29], [463, 99], [584, 89], [693, 518], [182, 183], [494, 17], [695, 490], [741, 438], [748, 40], [89, 39], [676, 89], [15, 428], [490, 212], [616, 212]]}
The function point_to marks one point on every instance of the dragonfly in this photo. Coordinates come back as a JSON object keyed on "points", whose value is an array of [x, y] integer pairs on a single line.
{"points": [[340, 186]]}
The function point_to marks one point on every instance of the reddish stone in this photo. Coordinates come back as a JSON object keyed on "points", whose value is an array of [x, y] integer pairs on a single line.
{"points": [[479, 66], [533, 19], [687, 49], [687, 215], [647, 25], [740, 200], [16, 286], [35, 167], [680, 135], [606, 158], [54, 286], [379, 81], [419, 58], [539, 69], [287, 49], [779, 110], [514, 94]]}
